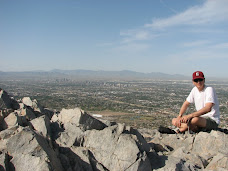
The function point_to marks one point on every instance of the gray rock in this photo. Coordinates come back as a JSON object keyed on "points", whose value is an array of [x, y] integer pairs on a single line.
{"points": [[9, 102], [72, 135], [115, 149], [27, 101], [139, 139], [70, 116], [29, 146], [80, 118], [177, 164], [5, 135], [32, 104], [42, 125], [196, 160], [190, 151], [34, 108], [81, 159], [218, 163], [27, 113], [12, 120], [207, 145]]}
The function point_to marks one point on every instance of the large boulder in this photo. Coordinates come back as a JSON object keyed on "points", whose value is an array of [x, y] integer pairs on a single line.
{"points": [[42, 125], [209, 145], [72, 135], [80, 118], [27, 101], [115, 149], [30, 151]]}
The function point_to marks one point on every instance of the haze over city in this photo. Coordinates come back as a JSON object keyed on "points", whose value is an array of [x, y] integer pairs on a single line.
{"points": [[174, 37]]}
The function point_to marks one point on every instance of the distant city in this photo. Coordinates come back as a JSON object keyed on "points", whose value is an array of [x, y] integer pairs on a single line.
{"points": [[138, 101]]}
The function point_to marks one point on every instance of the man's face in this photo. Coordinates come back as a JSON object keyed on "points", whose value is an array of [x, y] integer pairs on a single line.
{"points": [[199, 83]]}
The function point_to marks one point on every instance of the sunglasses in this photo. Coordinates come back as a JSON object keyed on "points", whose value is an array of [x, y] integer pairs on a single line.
{"points": [[198, 80]]}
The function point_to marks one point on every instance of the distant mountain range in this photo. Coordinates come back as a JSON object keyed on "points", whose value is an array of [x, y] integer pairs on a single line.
{"points": [[87, 74]]}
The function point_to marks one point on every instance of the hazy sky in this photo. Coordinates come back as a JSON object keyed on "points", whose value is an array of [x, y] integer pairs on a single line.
{"points": [[169, 36]]}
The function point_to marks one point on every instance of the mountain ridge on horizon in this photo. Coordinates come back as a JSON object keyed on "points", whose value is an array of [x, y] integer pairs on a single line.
{"points": [[100, 74], [95, 73]]}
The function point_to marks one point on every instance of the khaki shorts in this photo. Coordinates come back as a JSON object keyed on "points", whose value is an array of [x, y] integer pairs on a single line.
{"points": [[210, 125]]}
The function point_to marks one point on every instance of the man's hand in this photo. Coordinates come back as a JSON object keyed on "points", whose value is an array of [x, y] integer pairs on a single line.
{"points": [[186, 118], [178, 122]]}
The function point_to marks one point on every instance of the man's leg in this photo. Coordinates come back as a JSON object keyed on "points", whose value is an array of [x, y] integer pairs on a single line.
{"points": [[199, 122], [205, 124], [193, 125]]}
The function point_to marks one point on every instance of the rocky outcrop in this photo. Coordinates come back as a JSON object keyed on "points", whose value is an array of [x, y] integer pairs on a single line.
{"points": [[201, 151], [34, 138]]}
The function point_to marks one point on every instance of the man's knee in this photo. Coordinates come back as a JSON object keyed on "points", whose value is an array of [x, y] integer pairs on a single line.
{"points": [[199, 121], [194, 120]]}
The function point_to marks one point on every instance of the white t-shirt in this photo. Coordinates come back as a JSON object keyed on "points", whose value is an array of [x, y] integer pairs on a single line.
{"points": [[200, 98]]}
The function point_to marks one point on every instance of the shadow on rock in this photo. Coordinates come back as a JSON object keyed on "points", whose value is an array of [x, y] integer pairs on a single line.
{"points": [[78, 159], [223, 130], [157, 161]]}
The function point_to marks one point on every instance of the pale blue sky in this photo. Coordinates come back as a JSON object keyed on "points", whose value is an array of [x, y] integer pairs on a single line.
{"points": [[169, 36]]}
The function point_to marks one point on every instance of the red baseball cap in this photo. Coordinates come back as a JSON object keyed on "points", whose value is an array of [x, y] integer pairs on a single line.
{"points": [[197, 75]]}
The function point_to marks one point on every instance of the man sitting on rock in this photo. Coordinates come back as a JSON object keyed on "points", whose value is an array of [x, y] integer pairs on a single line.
{"points": [[207, 115]]}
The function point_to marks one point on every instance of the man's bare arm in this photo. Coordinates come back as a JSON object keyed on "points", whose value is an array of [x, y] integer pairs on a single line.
{"points": [[182, 111], [198, 113], [202, 111], [183, 108]]}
